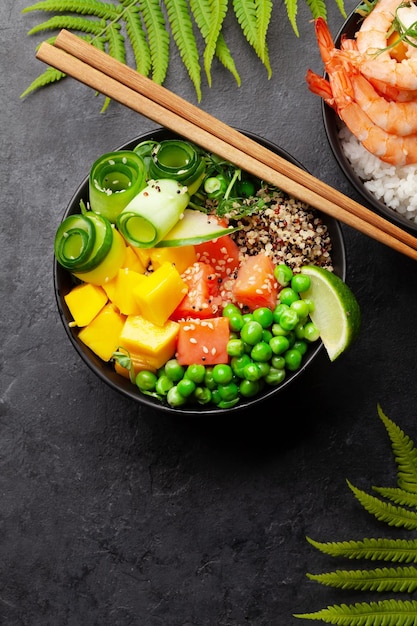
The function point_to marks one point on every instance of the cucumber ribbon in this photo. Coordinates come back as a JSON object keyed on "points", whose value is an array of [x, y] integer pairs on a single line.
{"points": [[153, 212], [115, 178], [178, 160]]}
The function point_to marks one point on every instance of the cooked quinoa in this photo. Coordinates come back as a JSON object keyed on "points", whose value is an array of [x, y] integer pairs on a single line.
{"points": [[286, 229]]}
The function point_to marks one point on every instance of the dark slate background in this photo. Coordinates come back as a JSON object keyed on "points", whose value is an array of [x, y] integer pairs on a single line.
{"points": [[115, 515]]}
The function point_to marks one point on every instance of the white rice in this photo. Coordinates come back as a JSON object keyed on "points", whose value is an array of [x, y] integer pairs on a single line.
{"points": [[396, 187]]}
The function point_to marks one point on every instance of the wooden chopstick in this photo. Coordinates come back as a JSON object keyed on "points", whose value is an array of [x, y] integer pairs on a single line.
{"points": [[98, 70]]}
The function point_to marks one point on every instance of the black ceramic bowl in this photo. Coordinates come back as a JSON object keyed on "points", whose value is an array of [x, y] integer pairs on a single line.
{"points": [[105, 371], [333, 124]]}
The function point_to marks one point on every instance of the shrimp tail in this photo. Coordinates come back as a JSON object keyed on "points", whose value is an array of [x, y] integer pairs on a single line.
{"points": [[320, 87]]}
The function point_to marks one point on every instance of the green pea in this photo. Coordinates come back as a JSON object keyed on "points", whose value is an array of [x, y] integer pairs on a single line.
{"points": [[299, 331], [277, 312], [301, 346], [283, 274], [277, 330], [264, 316], [275, 376], [288, 296], [236, 322], [230, 309], [293, 359], [186, 387], [251, 371], [249, 388], [247, 317], [209, 381], [289, 320], [262, 351], [310, 303], [228, 392], [279, 344], [235, 347], [311, 332], [239, 363], [300, 283], [251, 332], [245, 188], [267, 335], [227, 404], [174, 370], [163, 385], [301, 308], [278, 362], [146, 380], [264, 367], [202, 395], [174, 398], [195, 373], [222, 373]]}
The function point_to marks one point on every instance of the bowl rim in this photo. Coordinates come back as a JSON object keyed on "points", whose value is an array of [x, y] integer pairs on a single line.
{"points": [[106, 372], [332, 125]]}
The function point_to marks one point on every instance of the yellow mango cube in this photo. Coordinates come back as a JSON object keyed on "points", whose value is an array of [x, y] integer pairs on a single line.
{"points": [[126, 282], [102, 334], [110, 288], [160, 293], [133, 262], [155, 343], [182, 257], [143, 255], [85, 301]]}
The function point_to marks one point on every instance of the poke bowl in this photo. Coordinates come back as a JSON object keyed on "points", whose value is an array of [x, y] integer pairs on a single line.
{"points": [[388, 189], [117, 372]]}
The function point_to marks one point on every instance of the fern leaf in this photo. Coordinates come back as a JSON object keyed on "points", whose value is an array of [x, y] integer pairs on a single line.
{"points": [[218, 13], [158, 38], [116, 42], [386, 512], [317, 8], [81, 7], [70, 22], [398, 496], [247, 16], [226, 59], [182, 32], [263, 12], [395, 550], [398, 580], [137, 38], [383, 613], [292, 10], [405, 454], [49, 76], [201, 13]]}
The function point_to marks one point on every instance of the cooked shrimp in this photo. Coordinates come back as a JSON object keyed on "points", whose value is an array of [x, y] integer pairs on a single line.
{"points": [[373, 58], [388, 147], [398, 118]]}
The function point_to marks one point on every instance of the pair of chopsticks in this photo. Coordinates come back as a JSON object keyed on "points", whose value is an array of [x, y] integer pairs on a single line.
{"points": [[73, 56]]}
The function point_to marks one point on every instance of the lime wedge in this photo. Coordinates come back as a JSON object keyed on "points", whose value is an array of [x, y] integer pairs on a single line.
{"points": [[336, 310]]}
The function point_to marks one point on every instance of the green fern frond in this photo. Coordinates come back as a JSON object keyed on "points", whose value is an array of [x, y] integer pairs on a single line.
{"points": [[137, 38], [383, 613], [246, 12], [82, 7], [292, 10], [158, 38], [264, 13], [224, 55], [395, 550], [201, 13], [182, 32], [70, 22], [317, 8], [116, 43], [405, 454], [398, 496], [49, 76], [217, 15], [397, 580], [386, 512]]}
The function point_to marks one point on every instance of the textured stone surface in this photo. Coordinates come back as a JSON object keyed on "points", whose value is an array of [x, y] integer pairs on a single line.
{"points": [[112, 515]]}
